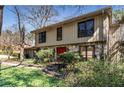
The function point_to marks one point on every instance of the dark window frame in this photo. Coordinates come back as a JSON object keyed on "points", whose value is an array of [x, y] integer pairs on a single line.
{"points": [[84, 33], [59, 34], [42, 37]]}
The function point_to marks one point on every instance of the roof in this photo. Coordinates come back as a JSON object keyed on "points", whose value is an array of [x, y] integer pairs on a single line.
{"points": [[103, 10]]}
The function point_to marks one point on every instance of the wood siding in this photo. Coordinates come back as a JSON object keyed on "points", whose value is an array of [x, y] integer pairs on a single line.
{"points": [[70, 31]]}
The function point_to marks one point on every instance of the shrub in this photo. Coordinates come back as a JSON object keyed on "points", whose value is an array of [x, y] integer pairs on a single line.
{"points": [[77, 57], [1, 52], [69, 57], [44, 55], [92, 74], [15, 54]]}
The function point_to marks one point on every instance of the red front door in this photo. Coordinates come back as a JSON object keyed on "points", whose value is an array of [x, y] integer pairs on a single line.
{"points": [[61, 50]]}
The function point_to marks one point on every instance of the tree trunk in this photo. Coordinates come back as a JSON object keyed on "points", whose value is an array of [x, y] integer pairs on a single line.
{"points": [[22, 34], [8, 56], [1, 18], [22, 53]]}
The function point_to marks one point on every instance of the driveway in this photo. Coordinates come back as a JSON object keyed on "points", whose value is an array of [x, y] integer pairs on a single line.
{"points": [[22, 65], [5, 57]]}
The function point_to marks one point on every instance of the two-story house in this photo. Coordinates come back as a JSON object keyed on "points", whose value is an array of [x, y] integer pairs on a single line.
{"points": [[92, 35], [87, 34]]}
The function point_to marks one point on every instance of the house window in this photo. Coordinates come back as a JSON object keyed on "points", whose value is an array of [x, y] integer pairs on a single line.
{"points": [[86, 28], [42, 37], [59, 34]]}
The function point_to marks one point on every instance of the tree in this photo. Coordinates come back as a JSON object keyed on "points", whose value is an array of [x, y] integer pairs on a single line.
{"points": [[9, 41], [21, 29], [118, 15], [39, 16], [29, 39]]}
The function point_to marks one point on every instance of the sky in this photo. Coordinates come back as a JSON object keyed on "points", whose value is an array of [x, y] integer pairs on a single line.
{"points": [[64, 13]]}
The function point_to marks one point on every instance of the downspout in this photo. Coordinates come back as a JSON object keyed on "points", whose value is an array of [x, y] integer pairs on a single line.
{"points": [[102, 33], [108, 45]]}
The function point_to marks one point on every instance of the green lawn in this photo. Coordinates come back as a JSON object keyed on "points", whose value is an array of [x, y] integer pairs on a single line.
{"points": [[85, 74], [15, 77]]}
